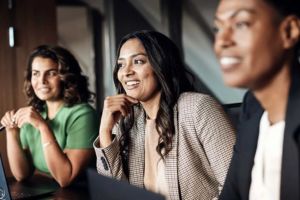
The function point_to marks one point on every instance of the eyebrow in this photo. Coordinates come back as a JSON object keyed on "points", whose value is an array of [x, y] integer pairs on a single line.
{"points": [[134, 55], [235, 13], [36, 70]]}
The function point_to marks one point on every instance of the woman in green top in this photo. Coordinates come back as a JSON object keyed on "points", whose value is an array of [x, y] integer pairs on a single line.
{"points": [[54, 134]]}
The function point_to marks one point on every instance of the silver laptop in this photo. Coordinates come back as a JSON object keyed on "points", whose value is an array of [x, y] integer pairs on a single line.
{"points": [[101, 187], [31, 189]]}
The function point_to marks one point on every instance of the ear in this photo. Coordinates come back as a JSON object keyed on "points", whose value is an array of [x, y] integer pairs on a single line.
{"points": [[290, 29]]}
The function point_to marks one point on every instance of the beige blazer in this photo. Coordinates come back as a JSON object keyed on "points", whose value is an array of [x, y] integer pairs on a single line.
{"points": [[198, 162]]}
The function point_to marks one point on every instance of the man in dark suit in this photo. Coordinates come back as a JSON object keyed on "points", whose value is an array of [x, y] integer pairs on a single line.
{"points": [[257, 44]]}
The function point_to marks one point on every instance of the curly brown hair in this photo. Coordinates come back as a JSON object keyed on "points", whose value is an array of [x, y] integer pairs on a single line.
{"points": [[74, 85]]}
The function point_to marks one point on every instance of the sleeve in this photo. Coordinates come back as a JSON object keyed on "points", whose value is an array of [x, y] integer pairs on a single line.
{"points": [[216, 134], [23, 138], [109, 161], [82, 128]]}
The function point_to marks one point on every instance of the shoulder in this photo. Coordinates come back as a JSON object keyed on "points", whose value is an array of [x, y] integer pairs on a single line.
{"points": [[198, 107], [195, 101], [79, 109]]}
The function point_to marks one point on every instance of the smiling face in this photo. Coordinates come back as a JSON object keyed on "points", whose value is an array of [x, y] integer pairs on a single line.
{"points": [[45, 79], [135, 72], [248, 42]]}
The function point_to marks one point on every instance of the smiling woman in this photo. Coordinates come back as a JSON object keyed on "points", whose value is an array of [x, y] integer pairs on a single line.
{"points": [[54, 133], [156, 132], [257, 43]]}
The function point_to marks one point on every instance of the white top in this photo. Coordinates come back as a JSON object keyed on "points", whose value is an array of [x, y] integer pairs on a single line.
{"points": [[154, 175], [266, 172]]}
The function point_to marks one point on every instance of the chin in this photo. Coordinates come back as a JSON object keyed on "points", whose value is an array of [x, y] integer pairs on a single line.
{"points": [[236, 83]]}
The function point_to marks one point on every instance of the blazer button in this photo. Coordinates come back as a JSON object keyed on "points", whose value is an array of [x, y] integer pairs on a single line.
{"points": [[104, 163]]}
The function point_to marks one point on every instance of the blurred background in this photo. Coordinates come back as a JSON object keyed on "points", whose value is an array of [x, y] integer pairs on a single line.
{"points": [[91, 30]]}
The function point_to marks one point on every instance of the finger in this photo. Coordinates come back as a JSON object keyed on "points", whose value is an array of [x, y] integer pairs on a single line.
{"points": [[130, 99]]}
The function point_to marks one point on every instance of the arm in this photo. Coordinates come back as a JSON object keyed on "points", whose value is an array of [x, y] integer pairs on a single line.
{"points": [[18, 158], [64, 165], [216, 135], [106, 147]]}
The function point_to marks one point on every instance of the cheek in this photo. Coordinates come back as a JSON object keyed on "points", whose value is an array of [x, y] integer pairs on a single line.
{"points": [[33, 83], [152, 82], [119, 76], [56, 83]]}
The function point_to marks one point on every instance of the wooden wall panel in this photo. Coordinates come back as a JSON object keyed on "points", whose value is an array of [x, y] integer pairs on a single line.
{"points": [[35, 24]]}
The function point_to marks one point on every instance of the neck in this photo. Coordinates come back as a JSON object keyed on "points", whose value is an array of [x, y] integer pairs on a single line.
{"points": [[274, 96], [53, 108], [151, 106]]}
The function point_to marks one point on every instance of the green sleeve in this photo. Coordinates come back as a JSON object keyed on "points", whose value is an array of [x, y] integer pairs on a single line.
{"points": [[82, 128]]}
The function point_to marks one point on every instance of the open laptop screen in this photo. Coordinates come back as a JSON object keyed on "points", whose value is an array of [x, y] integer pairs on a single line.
{"points": [[102, 187], [32, 188], [4, 190]]}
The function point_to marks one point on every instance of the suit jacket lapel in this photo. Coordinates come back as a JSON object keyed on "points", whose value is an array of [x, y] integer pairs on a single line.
{"points": [[248, 149], [248, 131], [137, 155], [290, 156]]}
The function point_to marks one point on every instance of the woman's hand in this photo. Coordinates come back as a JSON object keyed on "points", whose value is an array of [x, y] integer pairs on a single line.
{"points": [[9, 120], [29, 115], [114, 107]]}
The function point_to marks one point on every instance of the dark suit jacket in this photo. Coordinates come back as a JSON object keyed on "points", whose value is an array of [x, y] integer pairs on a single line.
{"points": [[238, 179]]}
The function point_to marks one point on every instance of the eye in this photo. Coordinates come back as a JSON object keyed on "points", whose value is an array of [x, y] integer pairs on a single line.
{"points": [[139, 61], [52, 73], [120, 65], [34, 74], [242, 25], [215, 29]]}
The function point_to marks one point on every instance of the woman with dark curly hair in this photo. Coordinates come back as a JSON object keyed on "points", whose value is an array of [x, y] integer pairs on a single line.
{"points": [[158, 134], [55, 133]]}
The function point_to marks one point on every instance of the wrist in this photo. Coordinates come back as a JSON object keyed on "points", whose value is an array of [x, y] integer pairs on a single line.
{"points": [[105, 139], [43, 127]]}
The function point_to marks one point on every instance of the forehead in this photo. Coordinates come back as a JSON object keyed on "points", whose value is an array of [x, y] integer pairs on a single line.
{"points": [[132, 46], [40, 63], [228, 8]]}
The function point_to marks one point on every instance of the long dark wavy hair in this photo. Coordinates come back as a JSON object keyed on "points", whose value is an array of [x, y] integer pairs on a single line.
{"points": [[167, 64], [74, 85]]}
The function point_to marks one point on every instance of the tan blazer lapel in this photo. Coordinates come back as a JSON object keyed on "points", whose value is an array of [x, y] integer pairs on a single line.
{"points": [[172, 163], [137, 155]]}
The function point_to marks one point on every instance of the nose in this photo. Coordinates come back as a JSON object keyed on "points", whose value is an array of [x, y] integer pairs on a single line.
{"points": [[128, 69], [224, 38], [43, 78]]}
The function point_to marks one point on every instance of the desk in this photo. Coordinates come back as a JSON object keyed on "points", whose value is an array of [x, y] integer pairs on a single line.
{"points": [[76, 191]]}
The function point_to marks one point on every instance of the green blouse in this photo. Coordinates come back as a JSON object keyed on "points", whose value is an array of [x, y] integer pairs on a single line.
{"points": [[74, 127]]}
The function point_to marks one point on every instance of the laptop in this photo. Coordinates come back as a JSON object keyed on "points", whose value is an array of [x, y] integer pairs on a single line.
{"points": [[31, 189], [102, 187]]}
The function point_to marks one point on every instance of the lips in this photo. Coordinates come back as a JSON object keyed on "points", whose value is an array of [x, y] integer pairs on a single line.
{"points": [[131, 83], [228, 62], [44, 90]]}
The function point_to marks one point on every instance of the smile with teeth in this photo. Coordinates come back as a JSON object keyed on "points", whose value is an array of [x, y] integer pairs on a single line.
{"points": [[228, 61], [132, 83], [44, 90]]}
